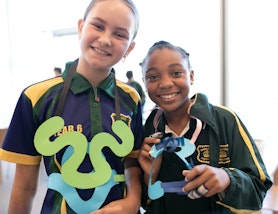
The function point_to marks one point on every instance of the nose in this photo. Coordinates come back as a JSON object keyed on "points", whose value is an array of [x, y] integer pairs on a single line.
{"points": [[165, 83], [104, 39]]}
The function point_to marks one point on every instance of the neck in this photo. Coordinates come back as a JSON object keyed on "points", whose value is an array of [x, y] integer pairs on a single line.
{"points": [[94, 76], [178, 119], [177, 124]]}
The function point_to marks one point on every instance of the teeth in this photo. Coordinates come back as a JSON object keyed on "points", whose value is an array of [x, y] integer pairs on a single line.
{"points": [[100, 51], [168, 96]]}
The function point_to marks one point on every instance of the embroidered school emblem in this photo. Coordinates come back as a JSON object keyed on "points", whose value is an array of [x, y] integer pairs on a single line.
{"points": [[124, 118], [224, 154], [203, 155]]}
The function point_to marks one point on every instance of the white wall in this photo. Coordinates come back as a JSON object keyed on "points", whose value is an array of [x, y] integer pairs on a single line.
{"points": [[252, 69]]}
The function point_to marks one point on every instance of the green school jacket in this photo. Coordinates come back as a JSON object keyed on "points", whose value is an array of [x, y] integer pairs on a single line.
{"points": [[223, 142]]}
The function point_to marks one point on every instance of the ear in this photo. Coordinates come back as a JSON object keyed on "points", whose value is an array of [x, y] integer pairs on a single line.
{"points": [[80, 27], [130, 48], [191, 77]]}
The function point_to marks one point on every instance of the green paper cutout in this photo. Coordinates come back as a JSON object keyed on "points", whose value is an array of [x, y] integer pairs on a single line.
{"points": [[102, 170]]}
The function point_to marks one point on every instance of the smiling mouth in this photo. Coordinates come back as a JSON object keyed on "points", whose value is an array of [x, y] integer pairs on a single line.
{"points": [[101, 52], [168, 96]]}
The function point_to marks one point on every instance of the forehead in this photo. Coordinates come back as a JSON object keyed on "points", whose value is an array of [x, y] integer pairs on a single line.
{"points": [[164, 59], [114, 12], [165, 56]]}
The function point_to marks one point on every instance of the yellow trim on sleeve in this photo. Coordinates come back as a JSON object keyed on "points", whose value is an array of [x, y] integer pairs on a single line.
{"points": [[19, 158], [248, 144], [131, 91], [236, 210], [63, 207], [57, 163], [35, 91]]}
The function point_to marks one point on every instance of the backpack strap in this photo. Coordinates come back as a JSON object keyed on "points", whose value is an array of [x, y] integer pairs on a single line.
{"points": [[117, 99]]}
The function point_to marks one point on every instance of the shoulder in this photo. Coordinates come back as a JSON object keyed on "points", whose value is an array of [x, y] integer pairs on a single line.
{"points": [[129, 90], [210, 113], [226, 113], [35, 91], [137, 85]]}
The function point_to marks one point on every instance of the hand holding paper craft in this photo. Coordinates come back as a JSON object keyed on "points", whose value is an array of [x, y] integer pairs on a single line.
{"points": [[186, 148]]}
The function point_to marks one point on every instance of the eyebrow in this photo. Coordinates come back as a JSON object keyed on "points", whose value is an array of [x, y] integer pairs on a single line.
{"points": [[104, 22], [169, 66], [174, 65], [150, 69]]}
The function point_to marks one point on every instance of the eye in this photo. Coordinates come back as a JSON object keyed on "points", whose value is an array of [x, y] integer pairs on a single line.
{"points": [[177, 73], [151, 78], [121, 35], [98, 26]]}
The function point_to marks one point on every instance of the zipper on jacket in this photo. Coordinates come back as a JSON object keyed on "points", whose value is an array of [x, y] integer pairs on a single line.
{"points": [[95, 92]]}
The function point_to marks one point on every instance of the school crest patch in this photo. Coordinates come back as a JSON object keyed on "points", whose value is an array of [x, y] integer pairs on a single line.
{"points": [[124, 118], [203, 154]]}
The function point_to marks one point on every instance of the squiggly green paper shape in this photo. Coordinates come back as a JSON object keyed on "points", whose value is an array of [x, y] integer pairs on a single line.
{"points": [[78, 141]]}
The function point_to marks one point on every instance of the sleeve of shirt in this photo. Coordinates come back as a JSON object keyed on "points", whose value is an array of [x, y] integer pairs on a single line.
{"points": [[18, 146], [247, 172]]}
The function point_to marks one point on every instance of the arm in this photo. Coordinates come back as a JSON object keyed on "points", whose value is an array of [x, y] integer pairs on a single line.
{"points": [[241, 177], [133, 183], [249, 188], [131, 203], [249, 178], [24, 188]]}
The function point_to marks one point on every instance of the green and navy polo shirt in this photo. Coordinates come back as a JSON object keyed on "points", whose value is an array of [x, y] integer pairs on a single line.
{"points": [[87, 110]]}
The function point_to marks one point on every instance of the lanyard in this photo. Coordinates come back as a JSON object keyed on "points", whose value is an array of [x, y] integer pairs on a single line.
{"points": [[63, 96]]}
